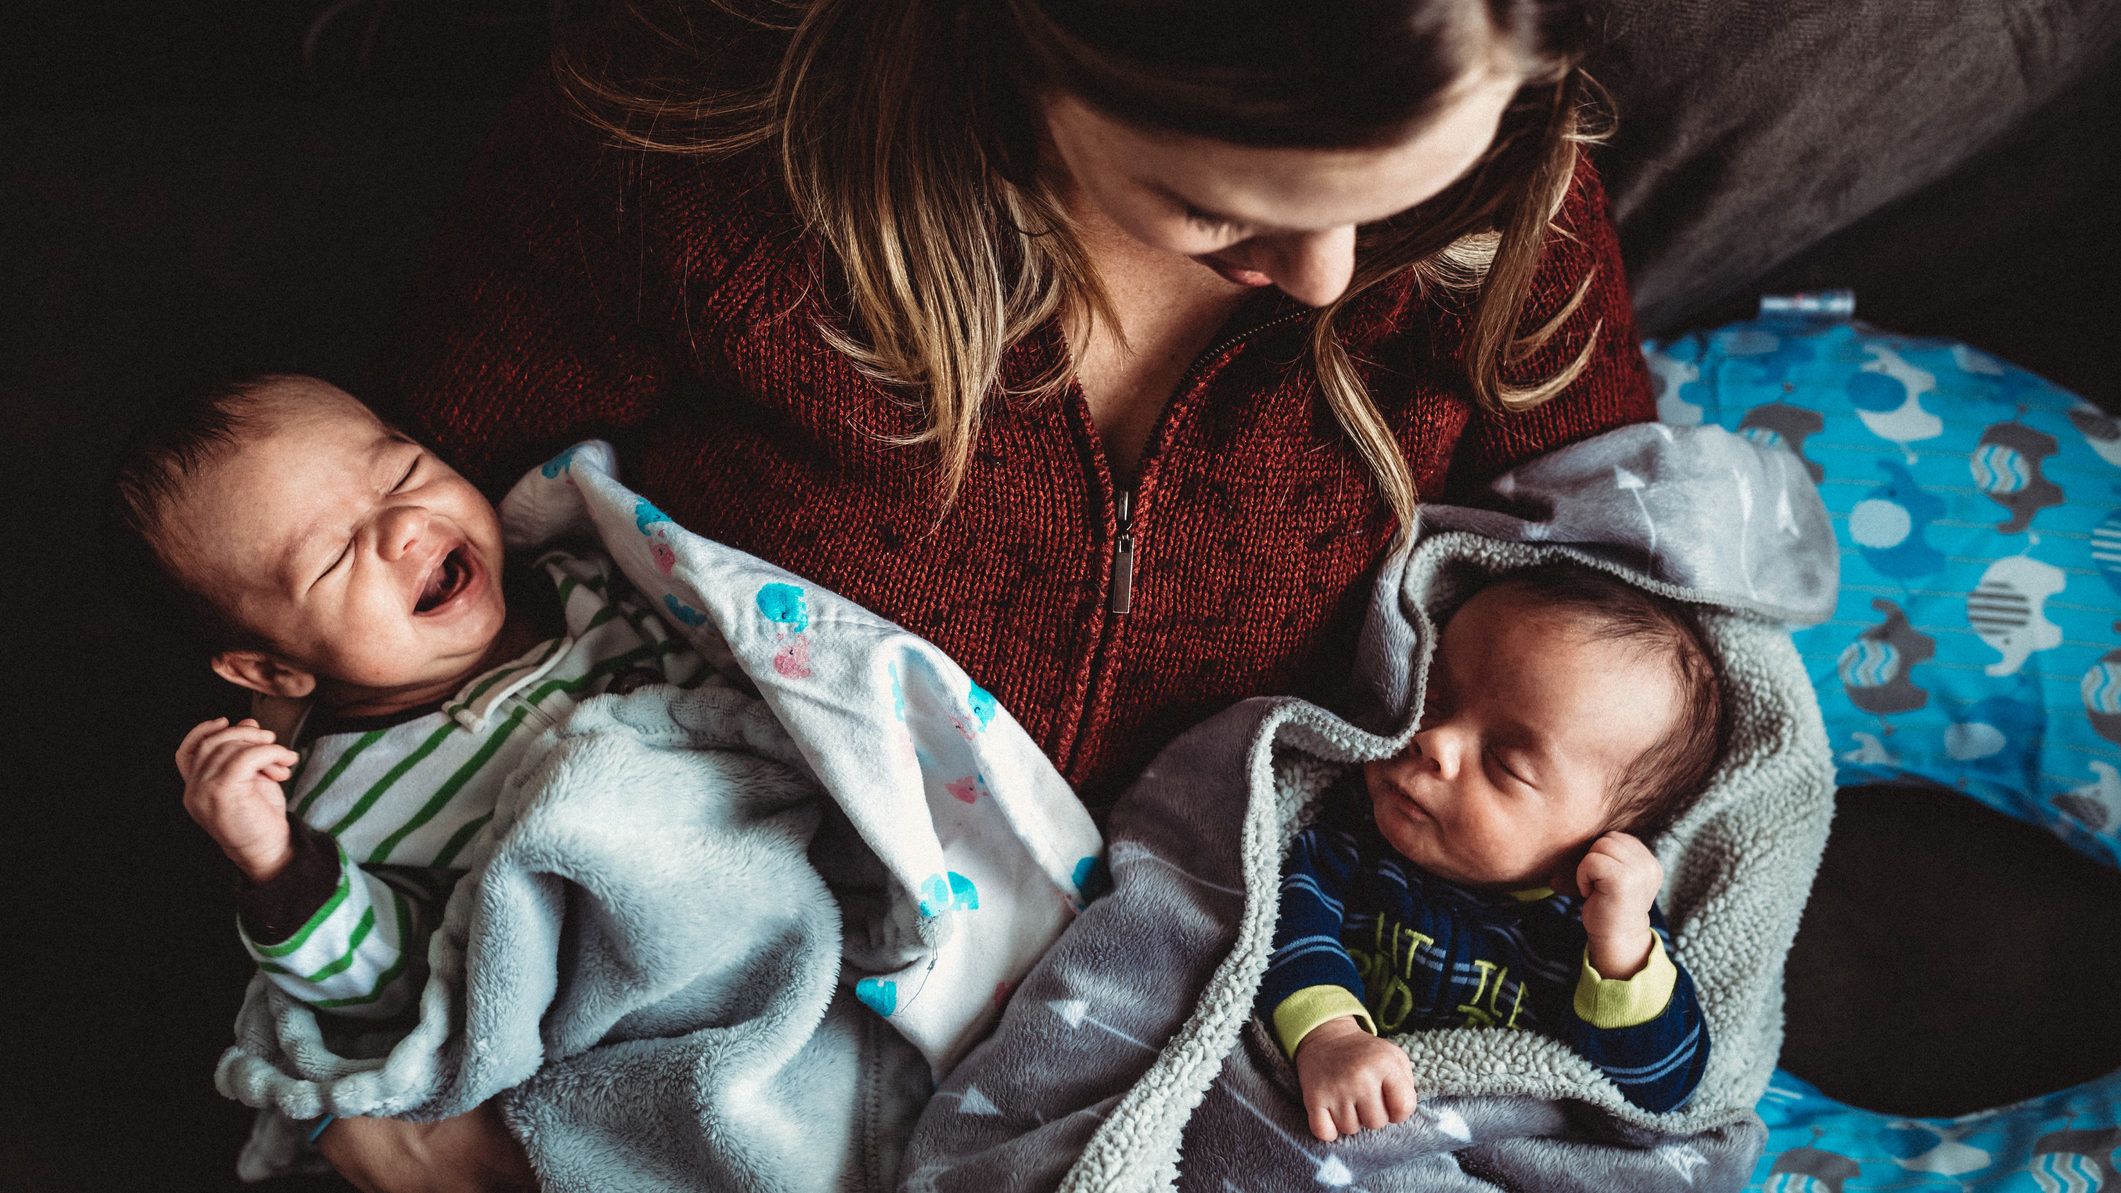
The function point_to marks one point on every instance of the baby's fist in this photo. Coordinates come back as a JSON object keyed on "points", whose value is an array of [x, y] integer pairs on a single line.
{"points": [[1619, 879], [232, 776], [1352, 1080]]}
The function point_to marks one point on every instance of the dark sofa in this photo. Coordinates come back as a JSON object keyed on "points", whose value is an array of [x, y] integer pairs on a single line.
{"points": [[184, 186]]}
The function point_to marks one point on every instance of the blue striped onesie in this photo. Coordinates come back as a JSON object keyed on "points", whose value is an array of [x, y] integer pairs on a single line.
{"points": [[1364, 932]]}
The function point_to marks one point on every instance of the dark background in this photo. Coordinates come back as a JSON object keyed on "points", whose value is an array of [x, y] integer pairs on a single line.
{"points": [[188, 183], [178, 188]]}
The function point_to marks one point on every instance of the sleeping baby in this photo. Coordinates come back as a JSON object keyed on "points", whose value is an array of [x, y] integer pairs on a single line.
{"points": [[1493, 873], [318, 553]]}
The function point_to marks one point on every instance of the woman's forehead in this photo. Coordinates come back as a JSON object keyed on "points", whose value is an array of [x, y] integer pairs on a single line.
{"points": [[1290, 189]]}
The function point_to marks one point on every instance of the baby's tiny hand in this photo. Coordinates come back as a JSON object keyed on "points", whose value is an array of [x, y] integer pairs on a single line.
{"points": [[232, 776], [1619, 879], [1352, 1080]]}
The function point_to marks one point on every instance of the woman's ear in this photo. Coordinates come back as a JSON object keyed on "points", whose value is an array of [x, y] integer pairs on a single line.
{"points": [[264, 674]]}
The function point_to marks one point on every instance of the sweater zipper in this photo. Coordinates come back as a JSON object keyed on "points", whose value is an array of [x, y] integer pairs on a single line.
{"points": [[1123, 553], [1126, 540], [1122, 594]]}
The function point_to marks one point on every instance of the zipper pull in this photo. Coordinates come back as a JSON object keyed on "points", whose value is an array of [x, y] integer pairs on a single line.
{"points": [[1123, 553]]}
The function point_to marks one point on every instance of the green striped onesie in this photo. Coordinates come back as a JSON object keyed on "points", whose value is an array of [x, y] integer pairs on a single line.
{"points": [[415, 793]]}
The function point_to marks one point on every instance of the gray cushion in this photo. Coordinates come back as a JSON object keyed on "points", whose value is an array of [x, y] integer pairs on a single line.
{"points": [[1753, 128]]}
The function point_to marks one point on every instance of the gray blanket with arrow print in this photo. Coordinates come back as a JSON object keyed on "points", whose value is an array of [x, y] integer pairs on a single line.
{"points": [[1130, 1057]]}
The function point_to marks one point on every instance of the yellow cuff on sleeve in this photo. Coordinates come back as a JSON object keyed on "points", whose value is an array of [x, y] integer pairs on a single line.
{"points": [[1625, 1002], [1301, 1013]]}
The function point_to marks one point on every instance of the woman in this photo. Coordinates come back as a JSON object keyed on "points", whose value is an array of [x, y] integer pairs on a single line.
{"points": [[1107, 344]]}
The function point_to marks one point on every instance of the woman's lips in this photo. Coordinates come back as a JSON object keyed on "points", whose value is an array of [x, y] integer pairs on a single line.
{"points": [[1235, 273]]}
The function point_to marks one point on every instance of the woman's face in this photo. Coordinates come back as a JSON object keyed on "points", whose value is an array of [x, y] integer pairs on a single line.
{"points": [[1261, 217]]}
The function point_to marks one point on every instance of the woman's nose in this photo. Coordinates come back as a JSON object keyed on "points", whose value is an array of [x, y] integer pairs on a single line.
{"points": [[400, 530], [1311, 267]]}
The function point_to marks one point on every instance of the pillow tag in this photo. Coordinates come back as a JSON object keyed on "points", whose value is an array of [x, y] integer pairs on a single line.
{"points": [[1814, 307]]}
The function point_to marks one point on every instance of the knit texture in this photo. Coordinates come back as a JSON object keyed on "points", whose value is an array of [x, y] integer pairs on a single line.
{"points": [[669, 304]]}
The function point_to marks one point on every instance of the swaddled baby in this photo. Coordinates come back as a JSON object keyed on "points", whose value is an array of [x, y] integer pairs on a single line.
{"points": [[1492, 873], [319, 553]]}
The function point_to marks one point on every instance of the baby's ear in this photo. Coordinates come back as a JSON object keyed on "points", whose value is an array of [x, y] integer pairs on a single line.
{"points": [[264, 674]]}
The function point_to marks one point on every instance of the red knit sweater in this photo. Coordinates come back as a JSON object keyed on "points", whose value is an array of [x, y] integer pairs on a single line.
{"points": [[666, 303]]}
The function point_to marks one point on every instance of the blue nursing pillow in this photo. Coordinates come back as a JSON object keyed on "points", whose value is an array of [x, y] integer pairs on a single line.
{"points": [[1978, 509], [1976, 646]]}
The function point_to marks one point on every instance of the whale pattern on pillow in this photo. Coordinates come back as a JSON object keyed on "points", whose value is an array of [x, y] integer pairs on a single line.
{"points": [[1978, 511]]}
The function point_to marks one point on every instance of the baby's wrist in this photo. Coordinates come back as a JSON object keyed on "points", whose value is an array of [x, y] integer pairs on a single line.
{"points": [[262, 863], [1618, 956], [1332, 1029]]}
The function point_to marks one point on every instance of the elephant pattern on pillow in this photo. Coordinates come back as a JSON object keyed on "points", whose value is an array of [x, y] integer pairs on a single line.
{"points": [[1974, 645], [1978, 508]]}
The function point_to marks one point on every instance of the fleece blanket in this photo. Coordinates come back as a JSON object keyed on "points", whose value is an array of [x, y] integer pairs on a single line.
{"points": [[1130, 1058], [713, 938]]}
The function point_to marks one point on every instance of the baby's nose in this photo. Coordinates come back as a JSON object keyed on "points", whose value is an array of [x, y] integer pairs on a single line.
{"points": [[402, 530], [1437, 751]]}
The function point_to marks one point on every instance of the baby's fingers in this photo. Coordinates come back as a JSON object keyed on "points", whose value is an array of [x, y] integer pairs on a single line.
{"points": [[1399, 1098], [189, 747], [248, 735], [247, 762], [1625, 847], [228, 742], [1597, 870], [1370, 1109], [1625, 860], [1322, 1124]]}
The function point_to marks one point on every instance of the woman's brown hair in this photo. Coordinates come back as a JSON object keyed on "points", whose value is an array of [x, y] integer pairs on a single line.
{"points": [[908, 135]]}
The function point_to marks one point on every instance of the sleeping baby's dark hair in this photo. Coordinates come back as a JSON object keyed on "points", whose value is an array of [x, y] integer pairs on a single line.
{"points": [[189, 428], [1656, 786]]}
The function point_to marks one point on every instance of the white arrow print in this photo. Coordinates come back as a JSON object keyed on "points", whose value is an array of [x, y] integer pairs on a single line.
{"points": [[1683, 1159], [1632, 483], [1331, 1172], [1075, 1012], [1450, 1122], [1745, 528]]}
